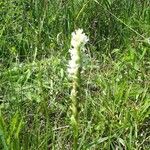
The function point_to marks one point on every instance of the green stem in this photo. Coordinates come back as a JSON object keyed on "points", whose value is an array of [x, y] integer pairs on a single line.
{"points": [[75, 96]]}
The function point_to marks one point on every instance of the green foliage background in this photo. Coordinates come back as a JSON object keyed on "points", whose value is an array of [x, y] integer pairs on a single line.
{"points": [[34, 87]]}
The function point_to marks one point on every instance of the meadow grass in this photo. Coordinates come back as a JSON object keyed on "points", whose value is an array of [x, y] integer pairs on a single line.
{"points": [[34, 85]]}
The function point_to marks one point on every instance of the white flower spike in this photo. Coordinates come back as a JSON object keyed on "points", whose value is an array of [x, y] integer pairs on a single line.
{"points": [[78, 38], [78, 41]]}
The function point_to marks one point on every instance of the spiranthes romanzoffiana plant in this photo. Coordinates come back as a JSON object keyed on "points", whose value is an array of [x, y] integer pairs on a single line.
{"points": [[78, 41]]}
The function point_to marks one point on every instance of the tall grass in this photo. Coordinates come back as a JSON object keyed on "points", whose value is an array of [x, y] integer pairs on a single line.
{"points": [[34, 88]]}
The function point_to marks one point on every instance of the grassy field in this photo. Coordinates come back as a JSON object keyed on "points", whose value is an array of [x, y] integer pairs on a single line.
{"points": [[34, 85]]}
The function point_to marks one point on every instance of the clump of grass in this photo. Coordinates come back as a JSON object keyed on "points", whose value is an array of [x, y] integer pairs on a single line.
{"points": [[34, 86]]}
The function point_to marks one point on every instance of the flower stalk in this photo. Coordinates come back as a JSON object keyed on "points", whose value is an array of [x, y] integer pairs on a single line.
{"points": [[78, 41]]}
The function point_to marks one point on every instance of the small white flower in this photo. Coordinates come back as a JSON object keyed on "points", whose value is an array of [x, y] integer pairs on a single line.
{"points": [[78, 41], [78, 38], [73, 67]]}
